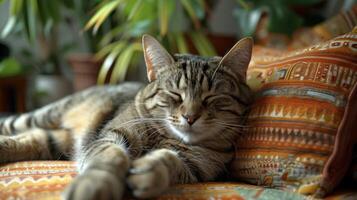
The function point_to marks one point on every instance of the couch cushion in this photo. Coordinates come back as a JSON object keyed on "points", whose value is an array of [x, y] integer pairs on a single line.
{"points": [[42, 180], [35, 179], [293, 124]]}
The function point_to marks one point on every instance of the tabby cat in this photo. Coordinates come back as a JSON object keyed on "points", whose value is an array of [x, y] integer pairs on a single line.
{"points": [[179, 128]]}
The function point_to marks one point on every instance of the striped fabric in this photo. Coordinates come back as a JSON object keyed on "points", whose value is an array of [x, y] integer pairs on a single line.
{"points": [[301, 100], [35, 180]]}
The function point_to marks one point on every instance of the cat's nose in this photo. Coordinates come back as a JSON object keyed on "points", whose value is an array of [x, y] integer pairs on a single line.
{"points": [[190, 118]]}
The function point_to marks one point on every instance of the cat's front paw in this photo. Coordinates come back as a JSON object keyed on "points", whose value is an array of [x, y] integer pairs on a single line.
{"points": [[93, 185], [148, 177]]}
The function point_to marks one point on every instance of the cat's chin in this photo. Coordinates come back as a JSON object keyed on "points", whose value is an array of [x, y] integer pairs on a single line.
{"points": [[189, 135]]}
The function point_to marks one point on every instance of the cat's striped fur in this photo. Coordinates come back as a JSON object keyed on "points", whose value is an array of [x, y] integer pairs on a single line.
{"points": [[180, 128]]}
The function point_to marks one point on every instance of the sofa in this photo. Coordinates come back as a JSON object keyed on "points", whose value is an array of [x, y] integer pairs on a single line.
{"points": [[302, 132]]}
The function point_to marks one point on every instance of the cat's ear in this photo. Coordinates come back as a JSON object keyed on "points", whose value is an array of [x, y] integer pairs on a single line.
{"points": [[155, 56], [238, 57]]}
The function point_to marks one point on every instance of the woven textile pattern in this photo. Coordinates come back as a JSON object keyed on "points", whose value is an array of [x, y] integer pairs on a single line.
{"points": [[45, 180], [301, 98], [35, 180]]}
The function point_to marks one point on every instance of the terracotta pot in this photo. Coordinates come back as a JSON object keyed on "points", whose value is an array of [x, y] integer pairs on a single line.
{"points": [[85, 70], [222, 43]]}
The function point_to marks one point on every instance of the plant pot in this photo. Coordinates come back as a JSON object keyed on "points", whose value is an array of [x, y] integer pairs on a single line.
{"points": [[85, 70], [222, 43]]}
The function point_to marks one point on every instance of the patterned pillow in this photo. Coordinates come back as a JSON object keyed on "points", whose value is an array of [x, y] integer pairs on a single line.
{"points": [[297, 135]]}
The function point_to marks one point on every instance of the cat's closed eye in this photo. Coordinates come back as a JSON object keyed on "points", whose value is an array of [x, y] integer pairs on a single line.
{"points": [[175, 96], [217, 100]]}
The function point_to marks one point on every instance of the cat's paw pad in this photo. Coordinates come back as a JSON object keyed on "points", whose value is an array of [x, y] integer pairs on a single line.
{"points": [[94, 184], [148, 177]]}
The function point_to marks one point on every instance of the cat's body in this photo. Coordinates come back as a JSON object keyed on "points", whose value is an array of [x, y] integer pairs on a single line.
{"points": [[180, 128]]}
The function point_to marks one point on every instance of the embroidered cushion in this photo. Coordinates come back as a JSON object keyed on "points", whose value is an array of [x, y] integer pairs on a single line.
{"points": [[296, 125]]}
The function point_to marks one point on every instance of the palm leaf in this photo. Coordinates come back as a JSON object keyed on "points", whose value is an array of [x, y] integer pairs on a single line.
{"points": [[16, 6], [135, 10], [210, 50], [165, 8], [97, 20], [109, 60], [181, 43], [107, 49], [10, 24], [194, 10], [29, 21], [123, 62], [202, 44], [112, 34]]}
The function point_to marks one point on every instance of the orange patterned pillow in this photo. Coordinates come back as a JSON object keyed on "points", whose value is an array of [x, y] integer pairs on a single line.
{"points": [[297, 137]]}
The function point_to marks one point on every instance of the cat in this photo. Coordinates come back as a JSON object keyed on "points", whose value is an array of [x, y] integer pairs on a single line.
{"points": [[179, 128]]}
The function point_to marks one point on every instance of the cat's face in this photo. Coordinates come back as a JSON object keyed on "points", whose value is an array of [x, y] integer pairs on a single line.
{"points": [[199, 98]]}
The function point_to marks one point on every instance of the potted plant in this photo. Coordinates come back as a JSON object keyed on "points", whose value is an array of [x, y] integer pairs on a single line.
{"points": [[177, 24], [85, 65], [38, 21]]}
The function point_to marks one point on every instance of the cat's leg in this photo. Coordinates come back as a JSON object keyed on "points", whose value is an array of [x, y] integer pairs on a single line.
{"points": [[153, 173], [47, 117], [103, 161], [36, 144]]}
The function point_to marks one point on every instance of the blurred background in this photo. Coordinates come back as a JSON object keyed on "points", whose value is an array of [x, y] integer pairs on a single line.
{"points": [[49, 49]]}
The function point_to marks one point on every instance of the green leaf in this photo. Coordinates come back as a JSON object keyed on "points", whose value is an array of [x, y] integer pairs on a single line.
{"points": [[243, 4], [16, 6], [32, 19], [202, 44], [112, 34], [29, 20], [181, 43], [108, 62], [123, 62], [247, 20], [97, 20], [135, 10], [194, 14], [10, 67], [138, 28], [10, 24], [169, 42], [53, 10], [68, 3], [107, 49], [165, 8], [163, 16], [283, 20]]}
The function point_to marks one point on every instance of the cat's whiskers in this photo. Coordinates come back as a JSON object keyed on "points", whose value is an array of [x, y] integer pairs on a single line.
{"points": [[139, 120], [157, 130], [240, 134], [232, 125]]}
